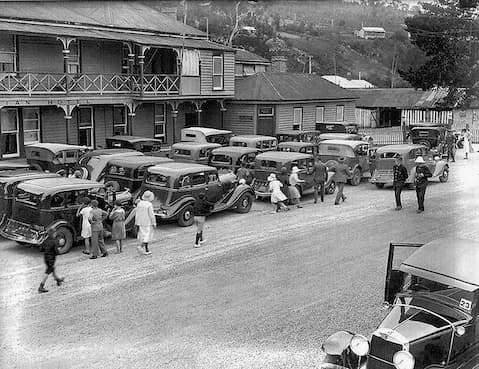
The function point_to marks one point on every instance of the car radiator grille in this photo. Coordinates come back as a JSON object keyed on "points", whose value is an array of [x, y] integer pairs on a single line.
{"points": [[381, 353]]}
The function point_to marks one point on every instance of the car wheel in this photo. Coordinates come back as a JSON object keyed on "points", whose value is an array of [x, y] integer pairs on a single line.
{"points": [[356, 178], [379, 185], [445, 176], [331, 188], [244, 203], [186, 218], [65, 238]]}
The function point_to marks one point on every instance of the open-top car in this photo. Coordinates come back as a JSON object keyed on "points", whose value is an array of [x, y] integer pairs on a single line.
{"points": [[432, 292], [45, 203], [192, 152], [272, 162], [206, 135], [176, 186], [384, 160], [302, 147], [127, 173], [9, 181], [298, 136], [258, 142], [54, 157], [355, 153], [230, 158], [92, 164], [148, 146]]}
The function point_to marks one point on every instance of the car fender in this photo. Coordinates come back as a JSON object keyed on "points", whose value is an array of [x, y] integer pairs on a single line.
{"points": [[178, 206], [238, 192], [63, 223], [440, 166]]}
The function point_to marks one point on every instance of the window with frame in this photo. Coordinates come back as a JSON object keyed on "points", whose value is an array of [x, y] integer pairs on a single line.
{"points": [[85, 126], [319, 114], [297, 118], [73, 61], [31, 125], [160, 122], [8, 52], [265, 111], [339, 113], [217, 72], [120, 123]]}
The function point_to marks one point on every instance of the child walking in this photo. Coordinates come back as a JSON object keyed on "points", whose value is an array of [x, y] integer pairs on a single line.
{"points": [[118, 232], [51, 251]]}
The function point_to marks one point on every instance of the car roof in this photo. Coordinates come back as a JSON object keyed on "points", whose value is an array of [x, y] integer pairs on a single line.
{"points": [[337, 136], [192, 144], [136, 161], [296, 144], [208, 131], [55, 147], [282, 155], [47, 186], [252, 138], [404, 148], [352, 144], [295, 132], [133, 138], [239, 150], [31, 174], [176, 168], [107, 152], [450, 261]]}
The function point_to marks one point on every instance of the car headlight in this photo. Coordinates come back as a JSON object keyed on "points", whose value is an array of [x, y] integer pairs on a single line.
{"points": [[403, 360], [359, 345]]}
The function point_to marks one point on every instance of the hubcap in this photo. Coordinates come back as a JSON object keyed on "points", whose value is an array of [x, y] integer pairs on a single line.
{"points": [[187, 215], [245, 202]]}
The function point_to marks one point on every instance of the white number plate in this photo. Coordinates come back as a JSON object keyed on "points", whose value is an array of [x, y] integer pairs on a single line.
{"points": [[465, 304]]}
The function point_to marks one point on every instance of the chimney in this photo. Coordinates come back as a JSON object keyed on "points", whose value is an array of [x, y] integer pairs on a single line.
{"points": [[278, 64]]}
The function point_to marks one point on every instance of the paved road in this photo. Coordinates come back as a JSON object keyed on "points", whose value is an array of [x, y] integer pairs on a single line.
{"points": [[263, 293]]}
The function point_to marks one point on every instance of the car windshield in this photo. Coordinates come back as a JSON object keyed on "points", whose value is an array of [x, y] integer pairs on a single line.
{"points": [[28, 197], [336, 150], [239, 143], [387, 155], [220, 158], [119, 171], [157, 179], [219, 139]]}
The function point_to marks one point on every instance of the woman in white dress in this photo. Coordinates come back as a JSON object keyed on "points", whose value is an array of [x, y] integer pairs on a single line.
{"points": [[84, 212], [467, 142], [145, 220], [277, 196]]}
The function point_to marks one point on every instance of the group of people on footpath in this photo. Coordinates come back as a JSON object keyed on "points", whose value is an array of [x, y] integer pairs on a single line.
{"points": [[451, 142]]}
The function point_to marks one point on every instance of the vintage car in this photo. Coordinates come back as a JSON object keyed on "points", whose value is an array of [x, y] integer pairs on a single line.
{"points": [[272, 162], [54, 157], [355, 153], [302, 147], [230, 158], [337, 127], [177, 185], [53, 202], [192, 152], [384, 161], [149, 146], [8, 182], [298, 136], [206, 135], [259, 142], [430, 137], [341, 136], [9, 165], [432, 293], [92, 164], [127, 173]]}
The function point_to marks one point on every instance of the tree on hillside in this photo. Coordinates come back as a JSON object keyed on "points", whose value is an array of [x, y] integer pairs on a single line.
{"points": [[448, 35]]}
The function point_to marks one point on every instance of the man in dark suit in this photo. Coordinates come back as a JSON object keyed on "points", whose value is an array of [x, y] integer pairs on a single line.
{"points": [[399, 179], [421, 176], [320, 175], [341, 175]]}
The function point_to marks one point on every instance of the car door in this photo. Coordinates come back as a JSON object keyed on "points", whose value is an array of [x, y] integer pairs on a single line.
{"points": [[214, 188]]}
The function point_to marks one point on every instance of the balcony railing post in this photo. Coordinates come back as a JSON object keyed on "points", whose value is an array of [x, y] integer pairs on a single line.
{"points": [[66, 52], [141, 62]]}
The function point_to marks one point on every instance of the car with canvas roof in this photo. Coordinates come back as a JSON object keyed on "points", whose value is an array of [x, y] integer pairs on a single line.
{"points": [[54, 157], [432, 297], [206, 135], [192, 152], [259, 142]]}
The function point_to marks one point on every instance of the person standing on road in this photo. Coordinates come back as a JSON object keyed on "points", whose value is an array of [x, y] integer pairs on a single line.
{"points": [[84, 212], [450, 145], [145, 220], [201, 209], [118, 231], [277, 196], [467, 142], [97, 216], [399, 179], [320, 175], [51, 251], [283, 177], [341, 175], [421, 175], [294, 181]]}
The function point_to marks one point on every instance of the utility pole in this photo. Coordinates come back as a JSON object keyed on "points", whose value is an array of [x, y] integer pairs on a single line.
{"points": [[393, 67], [185, 10], [309, 59]]}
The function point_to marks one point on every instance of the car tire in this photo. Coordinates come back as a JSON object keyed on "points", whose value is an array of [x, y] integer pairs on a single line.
{"points": [[379, 185], [331, 188], [356, 178], [244, 203], [186, 218], [67, 235], [444, 176]]}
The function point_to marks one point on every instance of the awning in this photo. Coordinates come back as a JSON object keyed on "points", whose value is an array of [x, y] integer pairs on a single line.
{"points": [[104, 34]]}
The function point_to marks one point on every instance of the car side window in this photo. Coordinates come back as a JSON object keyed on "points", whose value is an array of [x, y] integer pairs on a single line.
{"points": [[310, 166], [198, 179], [268, 164], [57, 200], [213, 177]]}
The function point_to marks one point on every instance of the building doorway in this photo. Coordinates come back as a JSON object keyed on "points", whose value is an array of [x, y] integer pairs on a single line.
{"points": [[10, 133], [266, 124]]}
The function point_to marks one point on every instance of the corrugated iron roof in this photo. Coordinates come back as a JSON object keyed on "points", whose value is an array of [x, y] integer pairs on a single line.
{"points": [[401, 98], [114, 14], [269, 86], [245, 56]]}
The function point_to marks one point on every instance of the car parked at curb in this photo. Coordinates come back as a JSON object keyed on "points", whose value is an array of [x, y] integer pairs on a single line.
{"points": [[430, 137], [230, 158], [355, 153], [341, 136], [192, 152], [331, 127], [302, 147], [298, 136], [176, 186], [258, 142], [384, 160], [148, 146], [54, 157], [272, 162], [45, 203], [433, 312], [206, 135]]}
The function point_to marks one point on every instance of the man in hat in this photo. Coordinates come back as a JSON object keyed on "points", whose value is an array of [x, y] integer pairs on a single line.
{"points": [[450, 145], [399, 179], [341, 175], [201, 209], [422, 173], [145, 220]]}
